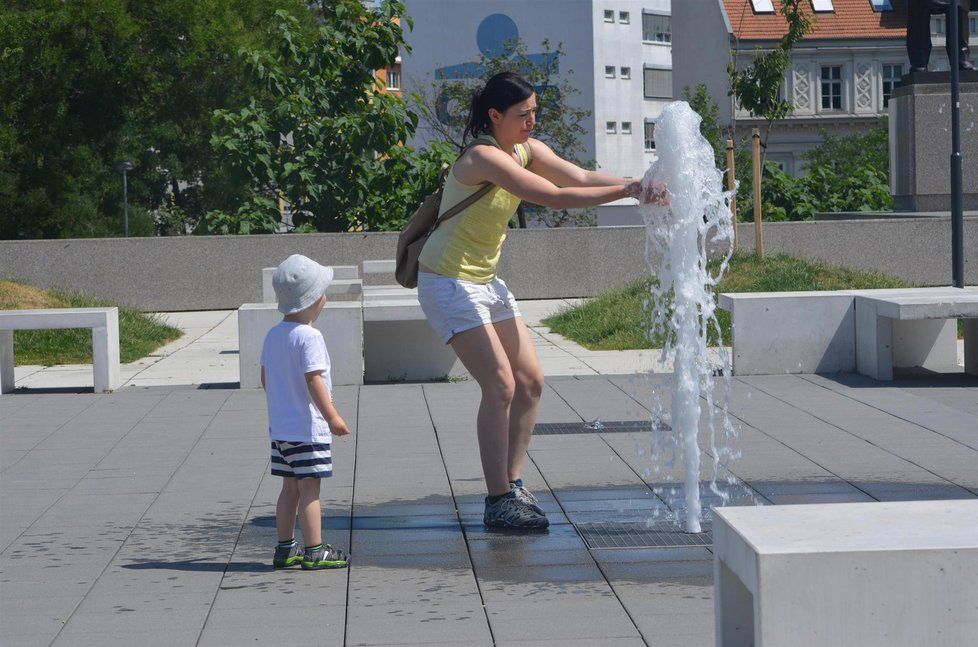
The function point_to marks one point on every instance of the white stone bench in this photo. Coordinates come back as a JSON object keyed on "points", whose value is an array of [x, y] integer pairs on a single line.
{"points": [[895, 574], [341, 323], [104, 323], [379, 273], [345, 286], [816, 332], [791, 332], [389, 292], [899, 329], [399, 344]]}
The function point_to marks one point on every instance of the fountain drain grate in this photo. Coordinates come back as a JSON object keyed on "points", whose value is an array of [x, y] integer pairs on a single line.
{"points": [[639, 534], [620, 426]]}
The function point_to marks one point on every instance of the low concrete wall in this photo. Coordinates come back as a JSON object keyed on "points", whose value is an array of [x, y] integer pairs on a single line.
{"points": [[223, 272]]}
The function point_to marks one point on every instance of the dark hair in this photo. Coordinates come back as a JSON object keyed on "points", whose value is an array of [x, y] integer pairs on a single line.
{"points": [[500, 92]]}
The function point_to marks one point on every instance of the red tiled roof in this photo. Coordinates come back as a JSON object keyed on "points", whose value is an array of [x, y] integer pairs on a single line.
{"points": [[852, 19]]}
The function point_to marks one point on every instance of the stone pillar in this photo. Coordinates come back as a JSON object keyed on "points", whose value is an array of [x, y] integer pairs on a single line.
{"points": [[920, 141]]}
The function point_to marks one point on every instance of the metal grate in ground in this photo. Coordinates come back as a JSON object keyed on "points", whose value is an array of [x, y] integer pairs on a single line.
{"points": [[596, 427], [639, 534]]}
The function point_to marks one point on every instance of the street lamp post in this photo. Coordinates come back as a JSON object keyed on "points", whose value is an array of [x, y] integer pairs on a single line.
{"points": [[957, 214], [125, 165]]}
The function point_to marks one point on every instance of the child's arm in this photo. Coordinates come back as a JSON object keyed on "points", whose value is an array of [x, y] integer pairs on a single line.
{"points": [[320, 395]]}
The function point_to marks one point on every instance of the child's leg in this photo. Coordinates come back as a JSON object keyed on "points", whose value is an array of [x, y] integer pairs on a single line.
{"points": [[285, 510], [310, 513]]}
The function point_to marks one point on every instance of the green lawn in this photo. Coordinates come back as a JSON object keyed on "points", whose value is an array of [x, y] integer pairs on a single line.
{"points": [[139, 334], [617, 320]]}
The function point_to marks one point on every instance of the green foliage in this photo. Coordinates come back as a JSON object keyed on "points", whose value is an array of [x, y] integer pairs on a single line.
{"points": [[851, 154], [88, 82], [843, 174], [323, 136], [700, 101], [444, 106], [617, 319]]}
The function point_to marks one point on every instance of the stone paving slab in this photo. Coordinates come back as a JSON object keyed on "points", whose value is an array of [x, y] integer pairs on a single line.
{"points": [[149, 512]]}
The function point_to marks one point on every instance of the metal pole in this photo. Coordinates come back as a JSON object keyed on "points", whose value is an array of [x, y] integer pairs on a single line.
{"points": [[731, 185], [957, 199], [758, 239], [125, 203]]}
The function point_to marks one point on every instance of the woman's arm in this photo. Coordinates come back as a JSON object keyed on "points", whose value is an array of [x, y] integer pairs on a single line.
{"points": [[559, 171], [490, 164]]}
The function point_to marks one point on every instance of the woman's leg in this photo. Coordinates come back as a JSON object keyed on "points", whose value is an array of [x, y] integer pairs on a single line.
{"points": [[484, 357], [528, 375]]}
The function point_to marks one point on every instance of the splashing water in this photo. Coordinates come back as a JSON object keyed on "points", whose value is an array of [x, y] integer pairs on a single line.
{"points": [[679, 235]]}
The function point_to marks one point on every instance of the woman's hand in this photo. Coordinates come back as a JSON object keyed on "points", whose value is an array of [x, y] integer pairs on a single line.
{"points": [[656, 193]]}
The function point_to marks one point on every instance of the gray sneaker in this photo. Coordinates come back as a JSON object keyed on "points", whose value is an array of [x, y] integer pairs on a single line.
{"points": [[510, 512], [526, 497]]}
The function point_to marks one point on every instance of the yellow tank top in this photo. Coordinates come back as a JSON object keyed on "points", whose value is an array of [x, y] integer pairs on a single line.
{"points": [[467, 245]]}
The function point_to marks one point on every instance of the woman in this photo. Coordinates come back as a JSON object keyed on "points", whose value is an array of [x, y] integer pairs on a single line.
{"points": [[471, 308]]}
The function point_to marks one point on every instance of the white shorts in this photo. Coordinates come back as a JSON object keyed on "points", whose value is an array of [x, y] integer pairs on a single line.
{"points": [[453, 305]]}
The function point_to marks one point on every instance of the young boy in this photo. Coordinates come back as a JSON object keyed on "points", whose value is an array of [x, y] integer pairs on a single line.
{"points": [[301, 417]]}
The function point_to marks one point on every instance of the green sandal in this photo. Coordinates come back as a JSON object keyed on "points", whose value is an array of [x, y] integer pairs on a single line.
{"points": [[286, 555], [324, 556]]}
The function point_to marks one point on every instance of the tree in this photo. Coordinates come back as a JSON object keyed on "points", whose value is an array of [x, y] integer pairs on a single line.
{"points": [[444, 106], [843, 174], [323, 136], [88, 82], [757, 86], [703, 104]]}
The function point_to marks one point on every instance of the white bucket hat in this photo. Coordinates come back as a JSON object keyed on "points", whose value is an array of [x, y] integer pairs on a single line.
{"points": [[299, 282]]}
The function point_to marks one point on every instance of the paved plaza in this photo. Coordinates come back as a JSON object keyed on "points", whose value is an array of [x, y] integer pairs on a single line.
{"points": [[147, 516]]}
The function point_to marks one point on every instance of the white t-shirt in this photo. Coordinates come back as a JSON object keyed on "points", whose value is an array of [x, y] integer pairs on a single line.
{"points": [[290, 351]]}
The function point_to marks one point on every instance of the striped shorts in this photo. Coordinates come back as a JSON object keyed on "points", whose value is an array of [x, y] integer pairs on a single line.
{"points": [[301, 460]]}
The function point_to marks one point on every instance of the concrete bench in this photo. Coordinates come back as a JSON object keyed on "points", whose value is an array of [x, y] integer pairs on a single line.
{"points": [[104, 323], [895, 574], [379, 272], [816, 332], [897, 329], [389, 292], [345, 286], [399, 344], [791, 332], [341, 323]]}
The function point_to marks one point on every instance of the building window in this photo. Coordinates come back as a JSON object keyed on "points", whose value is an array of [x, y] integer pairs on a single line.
{"points": [[973, 23], [891, 79], [881, 5], [609, 71], [626, 72], [610, 127], [831, 87], [658, 83], [656, 28], [623, 17], [609, 15], [822, 5], [393, 80], [626, 128], [938, 25], [762, 6], [650, 135]]}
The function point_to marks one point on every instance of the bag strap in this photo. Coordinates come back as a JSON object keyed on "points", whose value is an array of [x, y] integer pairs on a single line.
{"points": [[472, 199], [463, 205], [475, 197]]}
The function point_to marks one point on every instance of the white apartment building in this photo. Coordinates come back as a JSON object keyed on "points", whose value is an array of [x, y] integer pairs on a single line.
{"points": [[841, 75], [618, 54]]}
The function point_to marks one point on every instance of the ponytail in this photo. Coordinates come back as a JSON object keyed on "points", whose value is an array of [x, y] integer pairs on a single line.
{"points": [[500, 92]]}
